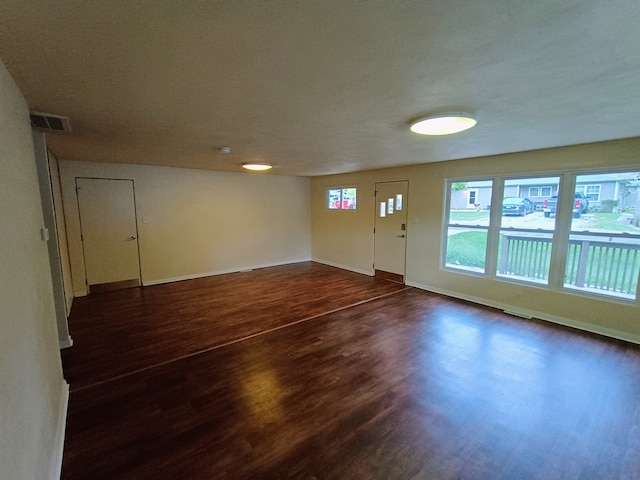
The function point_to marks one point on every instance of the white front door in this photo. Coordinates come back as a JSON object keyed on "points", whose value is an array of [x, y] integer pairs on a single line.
{"points": [[391, 230], [109, 232]]}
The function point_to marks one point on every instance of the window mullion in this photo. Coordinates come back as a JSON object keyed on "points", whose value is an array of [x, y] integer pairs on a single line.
{"points": [[560, 245], [493, 234]]}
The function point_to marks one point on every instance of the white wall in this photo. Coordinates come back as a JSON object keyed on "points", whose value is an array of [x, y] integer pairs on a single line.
{"points": [[198, 222], [346, 238], [51, 223], [33, 393], [61, 230]]}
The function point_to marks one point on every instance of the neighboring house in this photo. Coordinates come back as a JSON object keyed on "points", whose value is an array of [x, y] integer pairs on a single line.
{"points": [[623, 187], [476, 195], [536, 189]]}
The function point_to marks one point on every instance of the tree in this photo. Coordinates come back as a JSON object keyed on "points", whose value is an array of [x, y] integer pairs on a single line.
{"points": [[636, 184], [457, 187]]}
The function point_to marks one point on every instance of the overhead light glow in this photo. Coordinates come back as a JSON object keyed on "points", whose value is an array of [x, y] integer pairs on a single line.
{"points": [[256, 167], [443, 124]]}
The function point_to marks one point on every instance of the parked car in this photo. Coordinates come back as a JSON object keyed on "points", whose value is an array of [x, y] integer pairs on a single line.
{"points": [[517, 206], [580, 205]]}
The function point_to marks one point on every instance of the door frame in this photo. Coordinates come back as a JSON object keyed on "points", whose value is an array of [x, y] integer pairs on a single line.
{"points": [[381, 273], [114, 285]]}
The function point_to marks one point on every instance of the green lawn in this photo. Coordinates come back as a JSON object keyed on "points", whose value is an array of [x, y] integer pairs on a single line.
{"points": [[609, 221], [467, 249], [460, 216]]}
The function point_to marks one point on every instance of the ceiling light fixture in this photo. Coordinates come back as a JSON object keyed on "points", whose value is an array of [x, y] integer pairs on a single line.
{"points": [[443, 124], [256, 167]]}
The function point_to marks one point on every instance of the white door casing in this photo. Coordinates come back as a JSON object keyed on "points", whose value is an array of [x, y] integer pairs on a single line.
{"points": [[390, 238], [109, 230]]}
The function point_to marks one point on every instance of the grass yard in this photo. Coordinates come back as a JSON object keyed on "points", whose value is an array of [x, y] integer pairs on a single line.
{"points": [[609, 222], [468, 216], [467, 249]]}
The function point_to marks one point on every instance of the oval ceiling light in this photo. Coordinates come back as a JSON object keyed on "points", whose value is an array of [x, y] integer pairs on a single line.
{"points": [[256, 167], [443, 124]]}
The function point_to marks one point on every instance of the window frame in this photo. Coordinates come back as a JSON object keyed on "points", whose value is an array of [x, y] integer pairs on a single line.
{"points": [[446, 215], [541, 193], [341, 201], [585, 187], [560, 238]]}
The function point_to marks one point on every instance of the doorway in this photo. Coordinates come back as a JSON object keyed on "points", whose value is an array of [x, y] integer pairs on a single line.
{"points": [[109, 233], [390, 231]]}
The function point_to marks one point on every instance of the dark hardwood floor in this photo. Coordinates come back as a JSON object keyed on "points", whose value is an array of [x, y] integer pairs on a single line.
{"points": [[407, 385], [123, 331]]}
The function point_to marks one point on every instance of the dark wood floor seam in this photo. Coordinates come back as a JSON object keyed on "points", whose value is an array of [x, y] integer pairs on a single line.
{"points": [[238, 340]]}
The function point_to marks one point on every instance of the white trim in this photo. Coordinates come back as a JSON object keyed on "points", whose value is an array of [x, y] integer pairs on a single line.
{"points": [[523, 312], [148, 283], [343, 267], [66, 343], [82, 293], [60, 431]]}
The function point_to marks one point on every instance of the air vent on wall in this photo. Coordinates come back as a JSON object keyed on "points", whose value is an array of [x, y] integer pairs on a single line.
{"points": [[47, 122]]}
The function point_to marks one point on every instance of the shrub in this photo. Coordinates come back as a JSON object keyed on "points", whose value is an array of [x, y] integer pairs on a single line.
{"points": [[607, 206]]}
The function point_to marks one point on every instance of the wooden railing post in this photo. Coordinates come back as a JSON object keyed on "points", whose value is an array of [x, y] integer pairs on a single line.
{"points": [[504, 255], [582, 263]]}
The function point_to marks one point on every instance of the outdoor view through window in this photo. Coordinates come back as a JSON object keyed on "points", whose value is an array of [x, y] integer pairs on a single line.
{"points": [[604, 246], [468, 224], [600, 250], [341, 198]]}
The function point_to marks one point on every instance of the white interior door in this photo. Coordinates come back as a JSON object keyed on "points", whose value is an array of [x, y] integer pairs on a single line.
{"points": [[391, 230], [109, 232]]}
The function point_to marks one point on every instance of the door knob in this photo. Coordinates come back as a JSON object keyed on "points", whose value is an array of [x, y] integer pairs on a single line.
{"points": [[400, 236], [132, 237]]}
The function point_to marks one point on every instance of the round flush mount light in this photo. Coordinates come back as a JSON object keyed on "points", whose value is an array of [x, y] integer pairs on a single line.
{"points": [[443, 123], [256, 167]]}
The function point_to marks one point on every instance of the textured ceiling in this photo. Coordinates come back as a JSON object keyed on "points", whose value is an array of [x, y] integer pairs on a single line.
{"points": [[322, 87]]}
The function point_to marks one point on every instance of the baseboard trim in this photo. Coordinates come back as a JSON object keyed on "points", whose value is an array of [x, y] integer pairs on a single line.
{"points": [[66, 343], [343, 267], [60, 431], [523, 312], [245, 268], [82, 293]]}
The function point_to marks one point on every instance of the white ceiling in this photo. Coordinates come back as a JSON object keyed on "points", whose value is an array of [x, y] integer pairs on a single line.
{"points": [[320, 87]]}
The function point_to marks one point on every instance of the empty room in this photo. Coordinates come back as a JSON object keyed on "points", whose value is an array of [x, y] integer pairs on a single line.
{"points": [[320, 240]]}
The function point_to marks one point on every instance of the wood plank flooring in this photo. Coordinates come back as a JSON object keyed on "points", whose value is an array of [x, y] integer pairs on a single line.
{"points": [[408, 385], [119, 332]]}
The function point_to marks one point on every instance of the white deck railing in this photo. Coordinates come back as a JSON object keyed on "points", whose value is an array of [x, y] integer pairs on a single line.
{"points": [[593, 263]]}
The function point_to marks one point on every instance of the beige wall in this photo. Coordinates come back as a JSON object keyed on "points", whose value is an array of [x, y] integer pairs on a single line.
{"points": [[346, 238], [33, 398], [198, 222]]}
